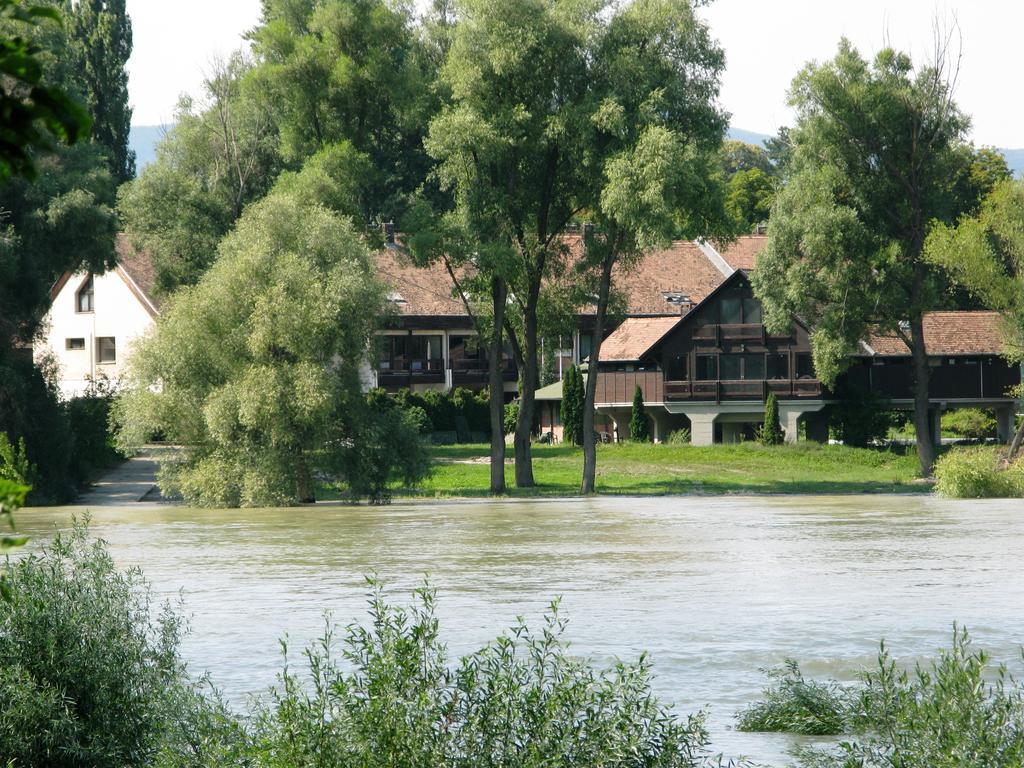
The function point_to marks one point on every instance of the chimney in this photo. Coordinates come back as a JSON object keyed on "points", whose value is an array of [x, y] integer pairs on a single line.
{"points": [[389, 232]]}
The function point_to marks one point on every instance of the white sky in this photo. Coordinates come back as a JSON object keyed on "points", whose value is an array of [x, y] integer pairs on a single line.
{"points": [[766, 42]]}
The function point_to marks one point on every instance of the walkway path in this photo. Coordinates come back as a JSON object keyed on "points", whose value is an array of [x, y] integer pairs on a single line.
{"points": [[127, 483]]}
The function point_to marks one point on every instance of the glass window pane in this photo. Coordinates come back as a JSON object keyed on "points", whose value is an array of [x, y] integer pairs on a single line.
{"points": [[778, 365], [677, 368], [731, 366], [731, 311], [106, 351], [707, 368], [753, 366], [752, 311], [804, 366]]}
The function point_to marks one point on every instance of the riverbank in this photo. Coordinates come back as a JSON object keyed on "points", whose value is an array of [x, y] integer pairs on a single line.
{"points": [[658, 470]]}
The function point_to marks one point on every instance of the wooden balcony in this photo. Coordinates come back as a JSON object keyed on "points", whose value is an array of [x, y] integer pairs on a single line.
{"points": [[474, 372], [716, 335], [718, 391], [619, 386]]}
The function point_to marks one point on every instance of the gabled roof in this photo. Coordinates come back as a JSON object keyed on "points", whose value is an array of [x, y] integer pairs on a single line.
{"points": [[743, 251], [653, 287], [947, 333], [635, 338], [135, 267]]}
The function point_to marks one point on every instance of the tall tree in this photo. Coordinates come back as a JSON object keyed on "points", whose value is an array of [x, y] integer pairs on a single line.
{"points": [[356, 71], [221, 155], [511, 148], [654, 153], [101, 35], [876, 150], [639, 427], [985, 254], [35, 104]]}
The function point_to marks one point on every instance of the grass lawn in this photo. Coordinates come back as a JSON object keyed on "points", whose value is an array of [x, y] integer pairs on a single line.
{"points": [[646, 469]]}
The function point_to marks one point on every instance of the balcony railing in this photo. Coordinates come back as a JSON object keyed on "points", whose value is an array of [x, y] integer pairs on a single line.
{"points": [[755, 389], [729, 332]]}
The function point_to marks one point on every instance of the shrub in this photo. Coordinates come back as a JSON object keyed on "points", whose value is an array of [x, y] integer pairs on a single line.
{"points": [[972, 423], [639, 428], [973, 473], [510, 418], [954, 711], [14, 464], [796, 705], [770, 432], [417, 418], [89, 420], [860, 418], [391, 698], [88, 675], [679, 437]]}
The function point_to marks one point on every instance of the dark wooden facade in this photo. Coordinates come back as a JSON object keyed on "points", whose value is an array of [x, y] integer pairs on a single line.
{"points": [[720, 351]]}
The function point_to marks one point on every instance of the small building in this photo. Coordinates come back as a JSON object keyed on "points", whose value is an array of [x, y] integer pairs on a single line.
{"points": [[94, 320]]}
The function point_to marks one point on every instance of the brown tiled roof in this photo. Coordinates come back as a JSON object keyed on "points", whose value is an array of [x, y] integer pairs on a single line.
{"points": [[418, 291], [949, 333], [631, 340], [742, 252], [680, 268], [138, 265]]}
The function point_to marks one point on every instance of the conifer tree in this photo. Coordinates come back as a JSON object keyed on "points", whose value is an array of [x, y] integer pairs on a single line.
{"points": [[102, 43], [639, 429], [572, 406], [771, 431]]}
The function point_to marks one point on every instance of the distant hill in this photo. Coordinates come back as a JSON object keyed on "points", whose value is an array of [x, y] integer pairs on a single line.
{"points": [[144, 138]]}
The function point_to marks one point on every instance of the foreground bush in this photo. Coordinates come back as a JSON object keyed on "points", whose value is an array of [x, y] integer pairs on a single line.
{"points": [[975, 473], [796, 705], [88, 677], [392, 699]]}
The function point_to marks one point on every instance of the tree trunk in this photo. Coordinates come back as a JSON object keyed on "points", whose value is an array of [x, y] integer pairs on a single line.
{"points": [[528, 387], [588, 485], [926, 441], [496, 389], [1018, 438]]}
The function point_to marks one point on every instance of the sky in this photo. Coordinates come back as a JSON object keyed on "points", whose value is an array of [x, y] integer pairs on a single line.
{"points": [[766, 42]]}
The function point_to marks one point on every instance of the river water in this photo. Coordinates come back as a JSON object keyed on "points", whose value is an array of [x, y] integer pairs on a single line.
{"points": [[713, 588]]}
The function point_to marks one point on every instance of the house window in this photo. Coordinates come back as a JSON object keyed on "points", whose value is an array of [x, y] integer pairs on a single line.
{"points": [[586, 344], [731, 311], [752, 313], [677, 368], [412, 353], [753, 367], [731, 367], [707, 367], [84, 299], [106, 350], [74, 343], [778, 365], [804, 366]]}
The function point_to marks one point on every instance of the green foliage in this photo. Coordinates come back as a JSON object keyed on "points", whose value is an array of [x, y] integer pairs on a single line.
{"points": [[101, 44], [793, 704], [749, 198], [639, 427], [860, 418], [221, 155], [35, 109], [975, 472], [770, 432], [572, 406], [12, 497], [679, 437], [953, 711], [88, 673], [389, 696], [972, 423], [460, 411], [266, 392], [511, 417], [14, 464]]}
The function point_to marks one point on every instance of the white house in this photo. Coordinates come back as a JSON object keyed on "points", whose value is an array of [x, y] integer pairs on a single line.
{"points": [[94, 319]]}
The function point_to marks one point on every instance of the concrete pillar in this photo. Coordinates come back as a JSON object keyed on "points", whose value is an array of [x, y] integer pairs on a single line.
{"points": [[1005, 423], [790, 423], [659, 424], [702, 428]]}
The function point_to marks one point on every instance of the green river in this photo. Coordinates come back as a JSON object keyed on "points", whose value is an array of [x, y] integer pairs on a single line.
{"points": [[714, 588]]}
